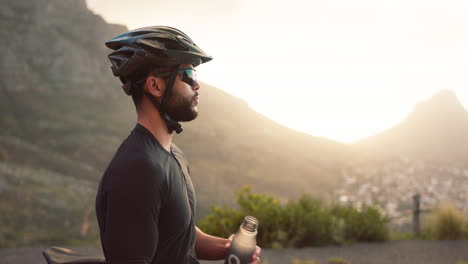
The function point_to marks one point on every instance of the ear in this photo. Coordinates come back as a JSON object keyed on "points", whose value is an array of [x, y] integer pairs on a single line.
{"points": [[155, 86]]}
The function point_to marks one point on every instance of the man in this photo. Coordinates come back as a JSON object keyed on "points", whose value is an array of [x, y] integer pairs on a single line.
{"points": [[145, 204]]}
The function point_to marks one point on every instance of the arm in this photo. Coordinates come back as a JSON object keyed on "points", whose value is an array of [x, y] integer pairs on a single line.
{"points": [[210, 247]]}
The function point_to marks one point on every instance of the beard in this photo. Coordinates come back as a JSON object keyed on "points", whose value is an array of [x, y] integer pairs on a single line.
{"points": [[180, 108]]}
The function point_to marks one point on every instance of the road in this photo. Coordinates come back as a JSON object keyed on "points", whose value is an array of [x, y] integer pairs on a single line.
{"points": [[394, 252]]}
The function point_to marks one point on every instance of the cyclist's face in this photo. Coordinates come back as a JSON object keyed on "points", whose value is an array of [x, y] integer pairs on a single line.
{"points": [[182, 105]]}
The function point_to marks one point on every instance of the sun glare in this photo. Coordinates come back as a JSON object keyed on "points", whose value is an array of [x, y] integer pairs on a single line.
{"points": [[337, 69]]}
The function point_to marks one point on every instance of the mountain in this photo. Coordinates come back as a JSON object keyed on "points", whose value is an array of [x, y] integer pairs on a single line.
{"points": [[53, 45], [436, 129], [63, 115], [60, 44]]}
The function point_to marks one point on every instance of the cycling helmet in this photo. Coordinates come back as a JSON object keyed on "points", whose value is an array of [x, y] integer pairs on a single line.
{"points": [[157, 45], [137, 51]]}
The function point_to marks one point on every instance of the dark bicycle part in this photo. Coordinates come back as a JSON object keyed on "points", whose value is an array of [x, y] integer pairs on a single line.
{"points": [[58, 255]]}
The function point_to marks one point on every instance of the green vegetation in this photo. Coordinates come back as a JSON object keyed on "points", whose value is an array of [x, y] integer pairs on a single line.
{"points": [[446, 222], [301, 223], [299, 261], [395, 236], [53, 149], [42, 207], [329, 261], [337, 261]]}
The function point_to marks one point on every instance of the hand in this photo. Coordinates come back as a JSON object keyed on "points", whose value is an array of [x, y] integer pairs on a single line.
{"points": [[255, 256]]}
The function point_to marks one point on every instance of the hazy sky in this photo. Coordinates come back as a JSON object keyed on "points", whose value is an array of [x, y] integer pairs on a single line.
{"points": [[341, 69]]}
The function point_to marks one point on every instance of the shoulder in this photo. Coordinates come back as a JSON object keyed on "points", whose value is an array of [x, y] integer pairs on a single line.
{"points": [[176, 149], [178, 154], [135, 169], [138, 155]]}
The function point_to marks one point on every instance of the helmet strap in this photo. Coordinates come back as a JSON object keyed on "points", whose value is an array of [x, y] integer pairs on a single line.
{"points": [[169, 86], [172, 125]]}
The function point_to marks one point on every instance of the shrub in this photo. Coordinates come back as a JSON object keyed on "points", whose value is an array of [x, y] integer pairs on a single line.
{"points": [[446, 222], [301, 223], [368, 224], [308, 222]]}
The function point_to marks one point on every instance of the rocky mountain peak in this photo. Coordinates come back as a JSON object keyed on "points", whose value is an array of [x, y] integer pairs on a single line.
{"points": [[56, 45], [437, 129], [443, 104]]}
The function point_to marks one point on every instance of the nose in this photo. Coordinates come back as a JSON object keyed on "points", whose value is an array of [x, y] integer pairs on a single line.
{"points": [[196, 86]]}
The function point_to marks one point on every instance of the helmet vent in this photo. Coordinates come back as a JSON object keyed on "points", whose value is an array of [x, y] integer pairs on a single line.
{"points": [[169, 43], [138, 33]]}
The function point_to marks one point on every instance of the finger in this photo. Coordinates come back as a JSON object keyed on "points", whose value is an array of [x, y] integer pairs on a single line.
{"points": [[228, 243], [258, 250], [256, 261], [257, 253]]}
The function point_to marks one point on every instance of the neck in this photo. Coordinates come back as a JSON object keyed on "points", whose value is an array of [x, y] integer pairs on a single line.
{"points": [[152, 120]]}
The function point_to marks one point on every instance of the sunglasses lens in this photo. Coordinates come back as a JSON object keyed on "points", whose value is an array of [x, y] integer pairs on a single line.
{"points": [[189, 76]]}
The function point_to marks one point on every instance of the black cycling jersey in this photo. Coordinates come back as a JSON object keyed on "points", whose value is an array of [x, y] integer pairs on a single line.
{"points": [[145, 204]]}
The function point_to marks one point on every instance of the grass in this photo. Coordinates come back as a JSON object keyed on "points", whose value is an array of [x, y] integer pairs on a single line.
{"points": [[337, 261], [334, 260], [397, 236], [299, 261], [43, 207], [446, 222]]}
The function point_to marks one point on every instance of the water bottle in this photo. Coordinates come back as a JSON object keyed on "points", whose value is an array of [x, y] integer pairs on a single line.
{"points": [[244, 243]]}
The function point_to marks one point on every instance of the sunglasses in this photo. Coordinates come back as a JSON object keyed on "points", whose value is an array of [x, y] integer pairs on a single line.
{"points": [[188, 75]]}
